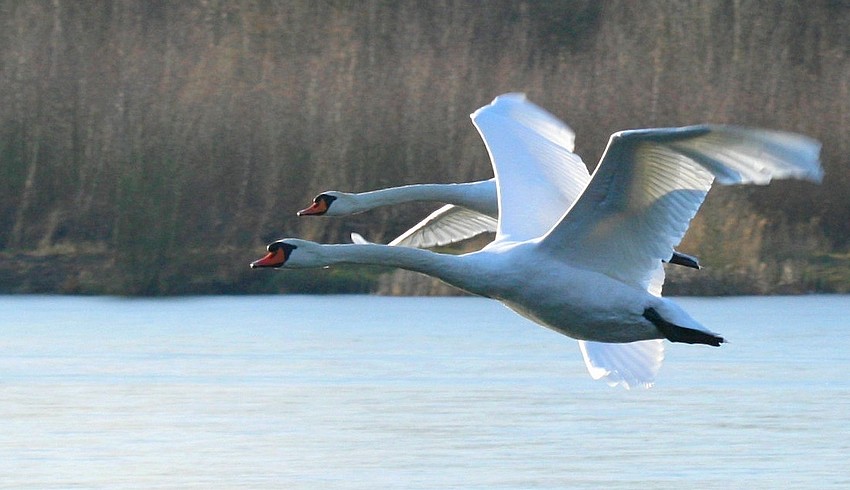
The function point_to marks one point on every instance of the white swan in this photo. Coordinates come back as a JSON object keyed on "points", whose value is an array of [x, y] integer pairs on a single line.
{"points": [[596, 275], [473, 210], [473, 207]]}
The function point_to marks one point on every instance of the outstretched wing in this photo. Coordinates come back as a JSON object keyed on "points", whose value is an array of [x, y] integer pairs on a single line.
{"points": [[538, 175], [629, 365], [650, 184], [449, 224]]}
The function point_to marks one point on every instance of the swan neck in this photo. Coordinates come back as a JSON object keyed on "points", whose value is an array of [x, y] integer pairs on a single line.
{"points": [[448, 268], [446, 193]]}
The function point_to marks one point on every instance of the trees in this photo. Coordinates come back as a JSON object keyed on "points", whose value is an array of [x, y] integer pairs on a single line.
{"points": [[167, 131]]}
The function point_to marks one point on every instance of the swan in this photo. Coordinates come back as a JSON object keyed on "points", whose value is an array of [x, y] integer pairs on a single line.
{"points": [[473, 210], [473, 207], [596, 274]]}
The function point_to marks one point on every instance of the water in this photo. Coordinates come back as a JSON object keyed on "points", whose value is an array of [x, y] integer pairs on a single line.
{"points": [[360, 392]]}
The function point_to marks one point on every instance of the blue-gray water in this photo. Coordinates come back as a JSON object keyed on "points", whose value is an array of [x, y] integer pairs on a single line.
{"points": [[304, 392]]}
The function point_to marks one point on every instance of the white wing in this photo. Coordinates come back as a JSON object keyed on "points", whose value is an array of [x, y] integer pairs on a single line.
{"points": [[650, 184], [539, 178], [629, 365], [538, 175], [446, 225]]}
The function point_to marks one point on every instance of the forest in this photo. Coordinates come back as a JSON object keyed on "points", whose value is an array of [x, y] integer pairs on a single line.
{"points": [[152, 147]]}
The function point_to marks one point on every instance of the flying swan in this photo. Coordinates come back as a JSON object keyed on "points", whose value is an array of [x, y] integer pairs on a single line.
{"points": [[596, 274], [473, 210], [473, 207]]}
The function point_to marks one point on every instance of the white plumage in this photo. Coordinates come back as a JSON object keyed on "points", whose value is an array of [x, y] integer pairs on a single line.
{"points": [[594, 273]]}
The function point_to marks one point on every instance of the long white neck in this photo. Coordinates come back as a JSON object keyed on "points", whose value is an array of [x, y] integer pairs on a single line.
{"points": [[452, 269], [478, 196]]}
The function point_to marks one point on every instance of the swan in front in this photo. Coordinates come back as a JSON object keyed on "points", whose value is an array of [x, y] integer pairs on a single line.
{"points": [[596, 274]]}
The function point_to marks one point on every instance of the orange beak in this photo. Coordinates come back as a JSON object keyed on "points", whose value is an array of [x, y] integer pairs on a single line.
{"points": [[272, 259], [318, 208]]}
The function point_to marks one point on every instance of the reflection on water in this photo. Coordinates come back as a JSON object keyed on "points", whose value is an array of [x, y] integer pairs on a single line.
{"points": [[371, 392]]}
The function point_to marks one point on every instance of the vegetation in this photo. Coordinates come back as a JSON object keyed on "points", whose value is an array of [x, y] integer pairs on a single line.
{"points": [[154, 147]]}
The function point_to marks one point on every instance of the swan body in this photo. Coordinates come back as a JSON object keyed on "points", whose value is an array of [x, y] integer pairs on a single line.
{"points": [[595, 274], [581, 309]]}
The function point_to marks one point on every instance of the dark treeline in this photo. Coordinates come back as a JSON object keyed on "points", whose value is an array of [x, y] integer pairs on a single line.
{"points": [[154, 147]]}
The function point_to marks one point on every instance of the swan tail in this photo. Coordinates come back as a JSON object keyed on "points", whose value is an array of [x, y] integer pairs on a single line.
{"points": [[677, 333], [686, 260], [628, 365]]}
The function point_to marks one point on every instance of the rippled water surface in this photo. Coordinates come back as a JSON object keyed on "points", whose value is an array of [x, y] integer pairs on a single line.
{"points": [[303, 392]]}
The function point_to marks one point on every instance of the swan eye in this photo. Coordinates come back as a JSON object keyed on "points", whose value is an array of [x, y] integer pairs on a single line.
{"points": [[325, 198], [275, 246], [287, 250], [286, 247]]}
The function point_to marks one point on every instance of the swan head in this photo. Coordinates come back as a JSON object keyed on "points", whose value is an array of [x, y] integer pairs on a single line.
{"points": [[291, 253], [331, 203]]}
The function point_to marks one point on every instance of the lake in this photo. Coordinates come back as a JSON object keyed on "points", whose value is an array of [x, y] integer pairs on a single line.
{"points": [[360, 392]]}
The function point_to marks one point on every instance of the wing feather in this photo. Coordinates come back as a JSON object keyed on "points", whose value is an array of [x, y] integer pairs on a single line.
{"points": [[449, 224], [629, 365], [650, 184], [538, 175]]}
